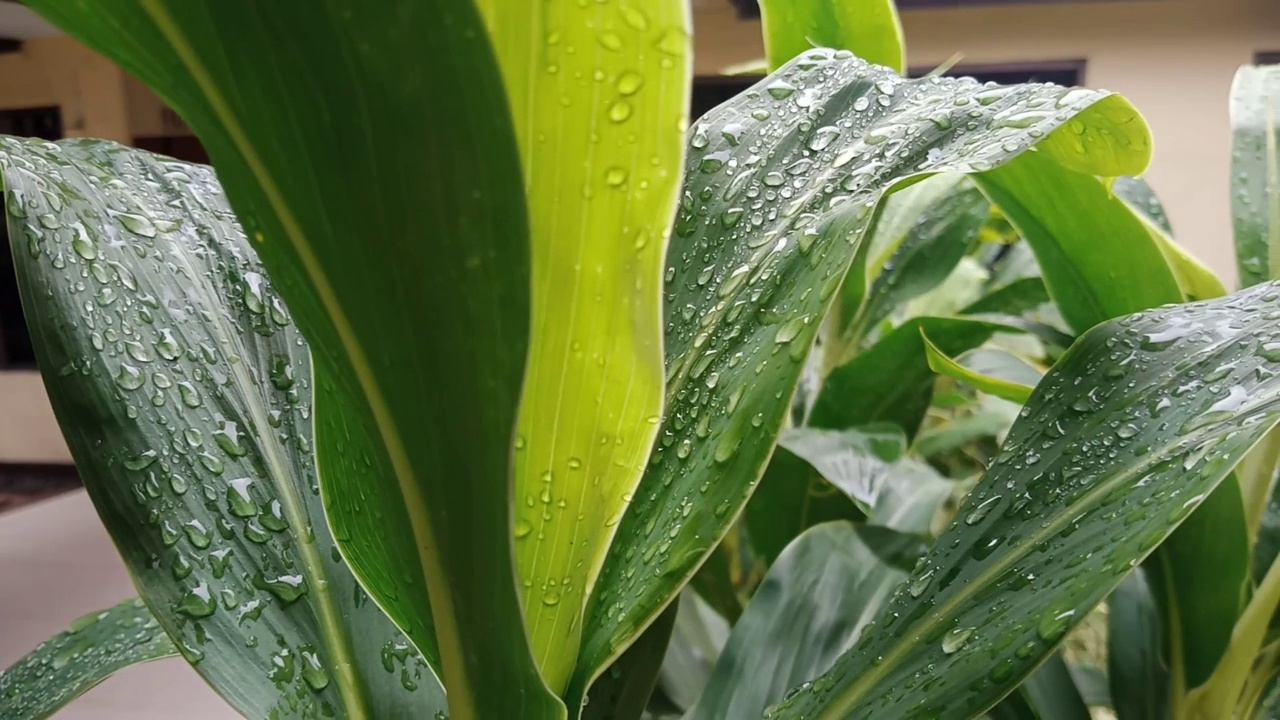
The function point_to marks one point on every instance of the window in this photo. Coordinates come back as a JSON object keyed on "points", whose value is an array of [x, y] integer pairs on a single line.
{"points": [[712, 90], [1267, 58], [15, 342]]}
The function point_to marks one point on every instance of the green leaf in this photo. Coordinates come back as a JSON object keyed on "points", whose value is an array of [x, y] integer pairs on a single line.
{"points": [[754, 265], [790, 498], [600, 165], [1098, 258], [819, 595], [1255, 172], [622, 692], [696, 642], [1099, 470], [1091, 284], [867, 465], [987, 382], [870, 28], [1049, 694], [183, 390], [404, 257], [1196, 281], [70, 663], [891, 381], [1137, 659], [919, 237]]}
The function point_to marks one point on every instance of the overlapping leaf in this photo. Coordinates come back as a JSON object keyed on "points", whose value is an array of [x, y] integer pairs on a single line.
{"points": [[403, 254], [781, 183], [1255, 174], [86, 653], [1123, 439], [183, 389], [598, 95]]}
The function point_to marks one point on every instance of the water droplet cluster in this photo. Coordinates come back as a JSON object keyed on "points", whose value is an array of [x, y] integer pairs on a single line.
{"points": [[192, 391], [780, 185], [1087, 484]]}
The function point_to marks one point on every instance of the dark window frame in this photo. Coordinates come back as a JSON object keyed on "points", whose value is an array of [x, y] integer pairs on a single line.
{"points": [[1266, 57]]}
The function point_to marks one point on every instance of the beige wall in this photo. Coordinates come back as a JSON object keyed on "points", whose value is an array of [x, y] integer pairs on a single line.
{"points": [[1174, 59]]}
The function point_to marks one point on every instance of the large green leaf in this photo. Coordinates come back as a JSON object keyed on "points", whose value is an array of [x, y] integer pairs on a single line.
{"points": [[781, 183], [600, 122], [1255, 172], [891, 381], [870, 28], [1121, 441], [183, 390], [819, 595], [696, 642], [86, 653], [369, 151], [1091, 284], [790, 498], [1006, 377]]}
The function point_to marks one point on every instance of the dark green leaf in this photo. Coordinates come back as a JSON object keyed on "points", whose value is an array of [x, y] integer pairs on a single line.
{"points": [[1018, 296], [622, 692], [919, 237], [696, 643], [790, 498], [183, 390], [1137, 659], [1116, 447], [815, 600], [404, 257], [1255, 172], [891, 381], [754, 265], [1052, 691], [67, 665]]}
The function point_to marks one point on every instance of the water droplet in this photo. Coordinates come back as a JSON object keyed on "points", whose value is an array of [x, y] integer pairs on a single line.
{"points": [[130, 377], [615, 176], [239, 500], [138, 225], [620, 111], [198, 602], [976, 515], [287, 588], [313, 672], [610, 41], [629, 83], [1054, 623], [955, 639], [228, 438]]}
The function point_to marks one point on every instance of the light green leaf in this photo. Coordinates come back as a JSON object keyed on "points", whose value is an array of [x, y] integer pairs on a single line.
{"points": [[1196, 281], [1100, 469], [1255, 172], [815, 600], [1137, 659], [754, 265], [183, 390], [891, 381], [870, 28], [403, 255], [70, 663], [987, 381], [601, 160], [1098, 263]]}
